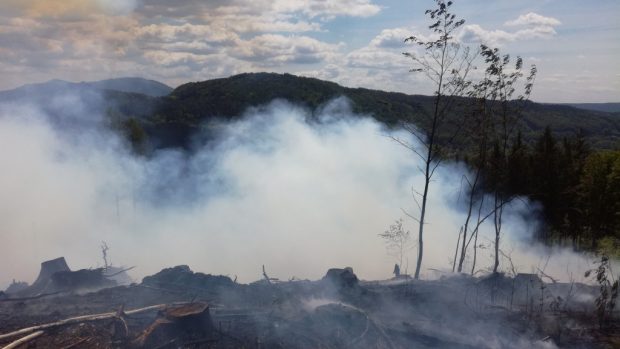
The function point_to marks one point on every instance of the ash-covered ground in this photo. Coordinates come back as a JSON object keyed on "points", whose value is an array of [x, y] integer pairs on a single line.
{"points": [[179, 308]]}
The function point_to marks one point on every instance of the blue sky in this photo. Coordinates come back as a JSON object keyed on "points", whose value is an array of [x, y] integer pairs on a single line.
{"points": [[575, 44]]}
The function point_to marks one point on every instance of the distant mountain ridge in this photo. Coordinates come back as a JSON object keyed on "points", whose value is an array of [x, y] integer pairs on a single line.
{"points": [[604, 107], [134, 85], [146, 87], [168, 117], [71, 105]]}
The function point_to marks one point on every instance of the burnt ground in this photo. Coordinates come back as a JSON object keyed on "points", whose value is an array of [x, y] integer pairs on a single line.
{"points": [[206, 311]]}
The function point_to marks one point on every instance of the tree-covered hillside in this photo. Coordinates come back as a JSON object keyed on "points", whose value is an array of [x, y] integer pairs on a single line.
{"points": [[191, 104], [170, 120]]}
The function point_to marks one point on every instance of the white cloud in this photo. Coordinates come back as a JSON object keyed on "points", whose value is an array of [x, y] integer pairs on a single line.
{"points": [[168, 33], [391, 38], [274, 49], [384, 51], [370, 58], [378, 65], [311, 9], [537, 27], [265, 25], [534, 19], [474, 33], [155, 38], [168, 59], [330, 9]]}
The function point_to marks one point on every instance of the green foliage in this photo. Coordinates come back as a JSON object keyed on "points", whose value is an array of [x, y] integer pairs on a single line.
{"points": [[135, 134], [578, 189], [600, 194], [609, 246], [608, 290]]}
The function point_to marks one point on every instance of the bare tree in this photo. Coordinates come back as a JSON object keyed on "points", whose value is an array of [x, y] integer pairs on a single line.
{"points": [[397, 241], [104, 253], [502, 80], [494, 118], [446, 64], [478, 128]]}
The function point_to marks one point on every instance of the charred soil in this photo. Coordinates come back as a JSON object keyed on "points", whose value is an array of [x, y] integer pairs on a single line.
{"points": [[178, 308]]}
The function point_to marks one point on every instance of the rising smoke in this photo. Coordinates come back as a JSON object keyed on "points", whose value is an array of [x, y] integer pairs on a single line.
{"points": [[296, 190]]}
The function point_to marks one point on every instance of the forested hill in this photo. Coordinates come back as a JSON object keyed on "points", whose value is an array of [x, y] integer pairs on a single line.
{"points": [[158, 117], [192, 104], [606, 107]]}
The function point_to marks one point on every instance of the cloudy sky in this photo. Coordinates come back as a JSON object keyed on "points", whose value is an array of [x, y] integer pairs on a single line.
{"points": [[574, 43]]}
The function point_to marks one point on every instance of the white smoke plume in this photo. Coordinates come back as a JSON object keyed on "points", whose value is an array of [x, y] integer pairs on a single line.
{"points": [[277, 188]]}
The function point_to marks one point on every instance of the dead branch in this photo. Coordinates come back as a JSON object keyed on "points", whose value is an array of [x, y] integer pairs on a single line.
{"points": [[23, 340], [104, 252], [161, 289], [82, 318], [509, 258], [121, 315], [547, 276], [31, 298], [119, 272], [266, 276], [80, 341]]}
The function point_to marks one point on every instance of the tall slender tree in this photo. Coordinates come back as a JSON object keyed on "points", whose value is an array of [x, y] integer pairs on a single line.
{"points": [[496, 119], [446, 64], [503, 78]]}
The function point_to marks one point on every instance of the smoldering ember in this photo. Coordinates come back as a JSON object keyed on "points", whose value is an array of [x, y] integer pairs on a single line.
{"points": [[325, 174]]}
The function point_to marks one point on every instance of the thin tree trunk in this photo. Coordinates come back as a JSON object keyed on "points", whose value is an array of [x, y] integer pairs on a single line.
{"points": [[466, 226], [428, 163], [473, 265], [456, 251], [500, 200], [421, 229], [498, 229]]}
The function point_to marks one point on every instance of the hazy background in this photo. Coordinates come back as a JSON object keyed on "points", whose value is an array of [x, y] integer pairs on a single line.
{"points": [[299, 192]]}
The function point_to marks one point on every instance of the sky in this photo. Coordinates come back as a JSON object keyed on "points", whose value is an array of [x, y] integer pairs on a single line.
{"points": [[358, 43]]}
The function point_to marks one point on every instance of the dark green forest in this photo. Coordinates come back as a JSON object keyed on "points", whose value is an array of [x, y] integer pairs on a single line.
{"points": [[195, 104], [576, 185]]}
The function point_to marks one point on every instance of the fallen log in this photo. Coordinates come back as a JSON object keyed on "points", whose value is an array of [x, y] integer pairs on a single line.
{"points": [[23, 340], [21, 299], [82, 318]]}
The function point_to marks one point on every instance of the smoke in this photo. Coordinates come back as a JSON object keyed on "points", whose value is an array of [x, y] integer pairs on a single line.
{"points": [[295, 190]]}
